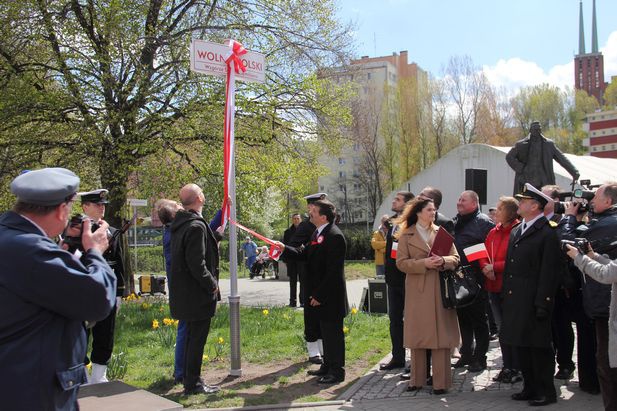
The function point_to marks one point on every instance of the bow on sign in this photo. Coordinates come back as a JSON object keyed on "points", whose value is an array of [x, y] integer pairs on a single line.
{"points": [[232, 58]]}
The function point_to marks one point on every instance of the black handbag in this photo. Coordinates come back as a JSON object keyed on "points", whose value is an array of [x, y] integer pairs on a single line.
{"points": [[459, 287]]}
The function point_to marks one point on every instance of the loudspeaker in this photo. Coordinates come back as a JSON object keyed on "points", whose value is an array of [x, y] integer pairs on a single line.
{"points": [[475, 179], [377, 296]]}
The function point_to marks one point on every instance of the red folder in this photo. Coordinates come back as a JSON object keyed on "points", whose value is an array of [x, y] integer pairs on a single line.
{"points": [[442, 244]]}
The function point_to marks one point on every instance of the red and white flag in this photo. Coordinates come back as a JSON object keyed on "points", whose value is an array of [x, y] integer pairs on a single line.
{"points": [[475, 252], [275, 252]]}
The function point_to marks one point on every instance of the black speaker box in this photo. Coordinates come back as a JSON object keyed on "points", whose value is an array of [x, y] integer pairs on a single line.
{"points": [[377, 296], [475, 179]]}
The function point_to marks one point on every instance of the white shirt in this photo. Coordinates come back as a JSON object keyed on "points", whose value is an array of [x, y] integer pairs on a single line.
{"points": [[526, 224], [320, 228]]}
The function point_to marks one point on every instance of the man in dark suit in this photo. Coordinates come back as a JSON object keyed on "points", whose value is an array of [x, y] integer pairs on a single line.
{"points": [[530, 281], [440, 219], [532, 160], [46, 294], [193, 284], [326, 289], [93, 204], [292, 265]]}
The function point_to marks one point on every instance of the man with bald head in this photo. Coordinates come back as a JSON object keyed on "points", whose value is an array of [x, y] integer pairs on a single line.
{"points": [[193, 284]]}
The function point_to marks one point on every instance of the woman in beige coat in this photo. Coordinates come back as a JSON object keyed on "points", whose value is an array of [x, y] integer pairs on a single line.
{"points": [[428, 325]]}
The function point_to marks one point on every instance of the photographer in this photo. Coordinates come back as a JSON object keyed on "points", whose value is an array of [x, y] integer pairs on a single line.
{"points": [[47, 294], [603, 270], [601, 234], [93, 204]]}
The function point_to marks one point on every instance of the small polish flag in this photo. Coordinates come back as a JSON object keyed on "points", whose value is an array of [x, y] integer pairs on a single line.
{"points": [[475, 252], [275, 252]]}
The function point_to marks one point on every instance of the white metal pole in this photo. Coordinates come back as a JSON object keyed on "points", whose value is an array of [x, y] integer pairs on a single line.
{"points": [[234, 298]]}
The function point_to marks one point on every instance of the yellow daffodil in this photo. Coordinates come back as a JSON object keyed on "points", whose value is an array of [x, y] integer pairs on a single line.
{"points": [[221, 340], [145, 306], [265, 312], [354, 311], [155, 324], [176, 322], [168, 321], [161, 309], [285, 316], [89, 366], [205, 357], [345, 330]]}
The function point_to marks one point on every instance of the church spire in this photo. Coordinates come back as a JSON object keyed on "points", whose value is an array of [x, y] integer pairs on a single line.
{"points": [[581, 30], [594, 31]]}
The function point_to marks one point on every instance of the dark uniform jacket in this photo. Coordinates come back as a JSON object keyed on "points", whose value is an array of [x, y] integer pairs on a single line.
{"points": [[443, 221], [394, 276], [194, 268], [325, 257], [471, 229], [115, 258], [45, 296], [530, 281]]}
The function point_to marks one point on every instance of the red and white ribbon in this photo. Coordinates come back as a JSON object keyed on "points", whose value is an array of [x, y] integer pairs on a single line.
{"points": [[274, 252], [234, 65]]}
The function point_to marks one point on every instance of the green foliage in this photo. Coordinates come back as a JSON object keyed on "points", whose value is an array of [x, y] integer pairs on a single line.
{"points": [[117, 366], [610, 95], [358, 244]]}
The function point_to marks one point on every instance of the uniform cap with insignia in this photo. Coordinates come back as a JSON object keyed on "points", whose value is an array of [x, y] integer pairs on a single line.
{"points": [[95, 196], [314, 197], [46, 186], [530, 192]]}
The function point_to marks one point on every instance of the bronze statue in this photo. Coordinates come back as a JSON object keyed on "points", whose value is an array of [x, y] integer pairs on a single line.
{"points": [[532, 160]]}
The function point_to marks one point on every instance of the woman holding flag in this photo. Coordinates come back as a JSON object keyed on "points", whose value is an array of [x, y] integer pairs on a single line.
{"points": [[496, 244], [428, 325]]}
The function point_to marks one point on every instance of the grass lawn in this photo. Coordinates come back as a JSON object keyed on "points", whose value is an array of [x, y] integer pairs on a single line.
{"points": [[272, 350]]}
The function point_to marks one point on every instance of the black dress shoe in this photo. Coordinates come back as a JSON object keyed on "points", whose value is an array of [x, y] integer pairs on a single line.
{"points": [[391, 365], [521, 396], [476, 366], [461, 363], [318, 372], [315, 360], [330, 379], [406, 376], [413, 388], [439, 391], [407, 369], [564, 374], [539, 402]]}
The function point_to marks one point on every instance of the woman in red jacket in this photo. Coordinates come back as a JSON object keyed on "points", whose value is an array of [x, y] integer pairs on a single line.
{"points": [[497, 246]]}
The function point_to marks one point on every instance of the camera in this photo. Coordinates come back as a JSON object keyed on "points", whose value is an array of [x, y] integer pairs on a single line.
{"points": [[582, 196], [581, 244], [74, 241]]}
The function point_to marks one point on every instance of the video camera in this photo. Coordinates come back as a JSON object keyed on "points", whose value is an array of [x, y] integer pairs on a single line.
{"points": [[580, 195], [74, 241], [581, 244]]}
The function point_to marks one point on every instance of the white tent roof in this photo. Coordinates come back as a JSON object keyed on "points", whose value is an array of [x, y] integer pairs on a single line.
{"points": [[448, 175]]}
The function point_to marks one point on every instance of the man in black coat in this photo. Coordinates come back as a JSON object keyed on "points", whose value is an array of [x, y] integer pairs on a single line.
{"points": [[193, 285], [292, 265], [470, 228], [530, 281], [532, 160], [326, 288]]}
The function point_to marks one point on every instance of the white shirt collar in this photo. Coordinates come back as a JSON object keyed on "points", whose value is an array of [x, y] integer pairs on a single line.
{"points": [[321, 227], [527, 224]]}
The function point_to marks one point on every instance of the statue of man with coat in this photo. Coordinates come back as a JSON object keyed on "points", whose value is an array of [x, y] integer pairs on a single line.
{"points": [[532, 160]]}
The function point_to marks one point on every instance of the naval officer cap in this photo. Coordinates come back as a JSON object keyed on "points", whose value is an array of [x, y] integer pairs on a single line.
{"points": [[532, 193], [46, 186], [311, 198], [95, 196]]}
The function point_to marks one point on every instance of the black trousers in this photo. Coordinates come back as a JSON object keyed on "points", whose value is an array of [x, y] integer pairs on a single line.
{"points": [[474, 327], [538, 366], [103, 339], [302, 268], [333, 346], [396, 308], [606, 375], [292, 273], [563, 335], [196, 336], [312, 330]]}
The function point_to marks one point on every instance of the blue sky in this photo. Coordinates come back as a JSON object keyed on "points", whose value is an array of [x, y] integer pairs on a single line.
{"points": [[517, 42]]}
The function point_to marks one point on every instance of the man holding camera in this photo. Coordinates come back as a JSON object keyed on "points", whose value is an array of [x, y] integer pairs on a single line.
{"points": [[601, 234], [93, 204], [46, 294]]}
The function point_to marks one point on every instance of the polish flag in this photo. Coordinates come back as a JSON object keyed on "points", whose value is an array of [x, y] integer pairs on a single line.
{"points": [[275, 252], [475, 252]]}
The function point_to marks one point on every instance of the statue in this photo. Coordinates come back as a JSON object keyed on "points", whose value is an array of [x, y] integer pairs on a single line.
{"points": [[532, 160]]}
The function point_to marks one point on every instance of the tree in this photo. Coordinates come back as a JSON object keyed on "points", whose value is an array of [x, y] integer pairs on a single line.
{"points": [[610, 95], [111, 78]]}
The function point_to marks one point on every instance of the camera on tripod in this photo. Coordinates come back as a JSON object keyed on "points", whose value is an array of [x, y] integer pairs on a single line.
{"points": [[581, 244], [581, 196]]}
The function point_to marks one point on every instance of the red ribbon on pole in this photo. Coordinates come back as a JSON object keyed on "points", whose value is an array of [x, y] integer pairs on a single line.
{"points": [[274, 252], [231, 59]]}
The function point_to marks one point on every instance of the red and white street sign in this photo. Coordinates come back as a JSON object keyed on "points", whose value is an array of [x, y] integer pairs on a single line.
{"points": [[209, 58]]}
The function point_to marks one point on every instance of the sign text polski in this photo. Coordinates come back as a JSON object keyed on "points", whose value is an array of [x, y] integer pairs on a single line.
{"points": [[209, 58]]}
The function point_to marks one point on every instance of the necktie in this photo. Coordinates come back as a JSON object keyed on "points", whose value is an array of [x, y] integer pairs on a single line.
{"points": [[524, 227], [314, 236]]}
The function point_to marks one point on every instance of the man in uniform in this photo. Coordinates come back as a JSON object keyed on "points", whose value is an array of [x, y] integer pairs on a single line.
{"points": [[93, 204], [47, 293], [530, 281], [327, 293]]}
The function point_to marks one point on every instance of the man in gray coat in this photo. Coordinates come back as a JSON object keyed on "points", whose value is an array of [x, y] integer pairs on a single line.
{"points": [[193, 285], [532, 160]]}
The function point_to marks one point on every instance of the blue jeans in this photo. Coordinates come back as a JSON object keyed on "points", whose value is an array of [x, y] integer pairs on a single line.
{"points": [[179, 354]]}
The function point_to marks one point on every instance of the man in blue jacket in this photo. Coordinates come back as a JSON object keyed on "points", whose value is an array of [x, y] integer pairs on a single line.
{"points": [[46, 294]]}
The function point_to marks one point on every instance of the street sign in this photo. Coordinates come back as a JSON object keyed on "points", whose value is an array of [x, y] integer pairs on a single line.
{"points": [[209, 58], [136, 202]]}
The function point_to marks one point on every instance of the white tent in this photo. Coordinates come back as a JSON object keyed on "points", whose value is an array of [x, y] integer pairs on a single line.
{"points": [[448, 175]]}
